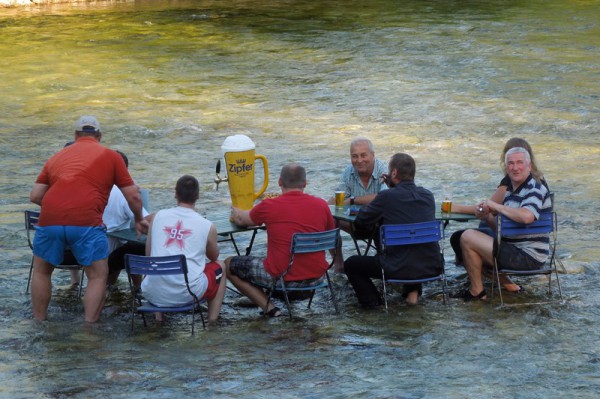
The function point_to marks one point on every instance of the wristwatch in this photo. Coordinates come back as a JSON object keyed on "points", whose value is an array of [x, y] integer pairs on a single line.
{"points": [[352, 200]]}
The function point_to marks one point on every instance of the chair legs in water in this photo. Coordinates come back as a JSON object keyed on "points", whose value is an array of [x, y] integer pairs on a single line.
{"points": [[286, 291]]}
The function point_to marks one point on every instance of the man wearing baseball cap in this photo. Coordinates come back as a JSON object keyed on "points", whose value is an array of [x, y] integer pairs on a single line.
{"points": [[72, 190]]}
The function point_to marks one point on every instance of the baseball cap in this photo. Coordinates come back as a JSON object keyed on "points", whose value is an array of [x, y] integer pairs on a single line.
{"points": [[87, 123]]}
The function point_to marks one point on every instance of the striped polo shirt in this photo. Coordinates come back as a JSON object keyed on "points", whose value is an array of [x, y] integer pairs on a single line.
{"points": [[534, 196]]}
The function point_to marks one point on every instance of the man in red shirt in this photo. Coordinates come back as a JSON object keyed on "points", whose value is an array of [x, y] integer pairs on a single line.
{"points": [[73, 190], [292, 212]]}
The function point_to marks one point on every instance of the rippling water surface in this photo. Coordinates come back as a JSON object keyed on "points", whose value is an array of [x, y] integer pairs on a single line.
{"points": [[448, 82]]}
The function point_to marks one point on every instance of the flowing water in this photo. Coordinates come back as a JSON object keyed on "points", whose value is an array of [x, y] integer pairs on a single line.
{"points": [[446, 81]]}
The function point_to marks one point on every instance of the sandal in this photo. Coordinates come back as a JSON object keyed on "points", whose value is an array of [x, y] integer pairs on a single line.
{"points": [[274, 312], [467, 296]]}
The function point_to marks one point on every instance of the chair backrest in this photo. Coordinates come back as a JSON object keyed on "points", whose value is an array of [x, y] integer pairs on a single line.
{"points": [[314, 242], [145, 198], [31, 220], [156, 265], [544, 224], [303, 243], [411, 233]]}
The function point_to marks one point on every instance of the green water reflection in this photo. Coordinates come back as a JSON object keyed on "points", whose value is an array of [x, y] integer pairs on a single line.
{"points": [[448, 82]]}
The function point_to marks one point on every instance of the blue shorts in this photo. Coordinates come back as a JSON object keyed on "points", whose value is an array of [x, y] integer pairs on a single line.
{"points": [[88, 244]]}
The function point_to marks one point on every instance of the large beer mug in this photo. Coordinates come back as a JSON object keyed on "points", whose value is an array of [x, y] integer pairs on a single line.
{"points": [[240, 160]]}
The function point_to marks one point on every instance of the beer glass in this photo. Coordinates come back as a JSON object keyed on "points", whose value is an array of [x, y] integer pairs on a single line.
{"points": [[447, 201], [339, 198]]}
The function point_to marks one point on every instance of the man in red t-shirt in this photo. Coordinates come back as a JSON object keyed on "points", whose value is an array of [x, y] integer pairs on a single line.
{"points": [[73, 190], [292, 212]]}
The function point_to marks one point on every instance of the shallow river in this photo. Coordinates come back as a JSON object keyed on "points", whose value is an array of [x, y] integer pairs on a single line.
{"points": [[446, 81]]}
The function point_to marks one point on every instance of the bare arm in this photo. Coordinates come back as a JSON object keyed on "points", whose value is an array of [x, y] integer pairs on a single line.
{"points": [[134, 200], [498, 197], [241, 217], [470, 209], [212, 248], [519, 215], [37, 193], [362, 200], [499, 194]]}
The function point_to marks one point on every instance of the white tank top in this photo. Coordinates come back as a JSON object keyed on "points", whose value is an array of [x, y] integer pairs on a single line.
{"points": [[178, 231]]}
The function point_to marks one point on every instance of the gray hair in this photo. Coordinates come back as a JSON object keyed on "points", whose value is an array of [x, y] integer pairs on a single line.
{"points": [[360, 140], [517, 150]]}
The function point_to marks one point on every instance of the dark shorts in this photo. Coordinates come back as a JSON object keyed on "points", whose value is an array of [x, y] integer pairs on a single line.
{"points": [[455, 240], [116, 259], [88, 244], [512, 258], [251, 269], [214, 273]]}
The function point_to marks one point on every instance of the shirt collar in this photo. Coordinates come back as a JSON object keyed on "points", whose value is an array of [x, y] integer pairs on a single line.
{"points": [[373, 173]]}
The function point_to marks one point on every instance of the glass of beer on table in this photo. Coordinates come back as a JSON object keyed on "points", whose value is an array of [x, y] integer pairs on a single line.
{"points": [[339, 198], [447, 201]]}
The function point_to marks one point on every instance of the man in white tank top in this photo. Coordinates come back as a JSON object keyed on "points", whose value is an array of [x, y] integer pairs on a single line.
{"points": [[181, 230]]}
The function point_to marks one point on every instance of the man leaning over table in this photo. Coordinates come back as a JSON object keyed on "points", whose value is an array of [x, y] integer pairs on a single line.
{"points": [[72, 190], [525, 198], [292, 212], [182, 230], [360, 182], [404, 202], [117, 216]]}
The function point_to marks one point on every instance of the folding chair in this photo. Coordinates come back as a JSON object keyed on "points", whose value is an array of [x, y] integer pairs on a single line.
{"points": [[31, 220], [303, 243], [159, 265], [546, 224], [411, 234]]}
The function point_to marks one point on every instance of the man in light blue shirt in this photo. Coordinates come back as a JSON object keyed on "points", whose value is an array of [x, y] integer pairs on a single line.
{"points": [[361, 181]]}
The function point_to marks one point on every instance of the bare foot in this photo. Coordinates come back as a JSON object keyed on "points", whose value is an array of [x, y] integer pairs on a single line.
{"points": [[412, 298], [508, 284], [512, 287]]}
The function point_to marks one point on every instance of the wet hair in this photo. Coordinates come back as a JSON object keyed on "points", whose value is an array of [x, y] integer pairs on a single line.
{"points": [[522, 143], [187, 189], [124, 158], [517, 150], [293, 176], [360, 140], [404, 164]]}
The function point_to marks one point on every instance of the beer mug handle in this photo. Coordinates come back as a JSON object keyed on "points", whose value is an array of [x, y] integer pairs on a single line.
{"points": [[266, 174]]}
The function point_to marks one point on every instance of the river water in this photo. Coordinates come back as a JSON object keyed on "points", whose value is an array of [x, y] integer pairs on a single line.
{"points": [[446, 81]]}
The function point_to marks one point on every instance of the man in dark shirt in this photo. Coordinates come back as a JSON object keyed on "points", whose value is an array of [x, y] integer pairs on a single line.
{"points": [[403, 203]]}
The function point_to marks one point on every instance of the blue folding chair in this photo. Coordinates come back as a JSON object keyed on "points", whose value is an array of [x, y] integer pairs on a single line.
{"points": [[412, 234], [31, 220], [303, 243], [546, 224], [159, 265]]}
